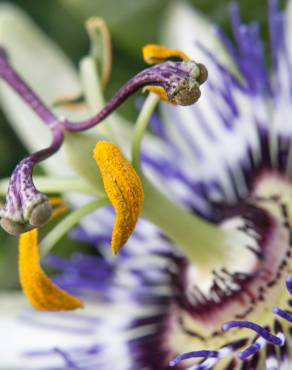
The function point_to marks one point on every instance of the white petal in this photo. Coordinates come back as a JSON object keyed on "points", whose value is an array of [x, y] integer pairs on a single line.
{"points": [[26, 331], [20, 337], [199, 128], [184, 26], [289, 26]]}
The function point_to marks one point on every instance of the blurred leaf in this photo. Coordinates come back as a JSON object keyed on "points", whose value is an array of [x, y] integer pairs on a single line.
{"points": [[8, 140], [132, 23], [8, 262]]}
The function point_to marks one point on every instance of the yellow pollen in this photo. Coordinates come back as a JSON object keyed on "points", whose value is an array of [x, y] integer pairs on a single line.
{"points": [[158, 90], [124, 190], [41, 292], [153, 54], [59, 206]]}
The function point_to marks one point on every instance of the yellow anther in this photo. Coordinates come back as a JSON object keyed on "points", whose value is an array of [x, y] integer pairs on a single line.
{"points": [[158, 90], [124, 189], [153, 54], [59, 206], [42, 293], [56, 201], [58, 211]]}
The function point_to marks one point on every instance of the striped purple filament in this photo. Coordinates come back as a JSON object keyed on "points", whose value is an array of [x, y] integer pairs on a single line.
{"points": [[264, 337], [255, 327], [195, 354]]}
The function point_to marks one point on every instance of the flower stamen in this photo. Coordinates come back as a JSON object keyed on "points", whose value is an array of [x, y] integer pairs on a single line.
{"points": [[124, 189], [180, 91], [153, 54], [101, 46], [158, 90], [42, 293], [59, 206]]}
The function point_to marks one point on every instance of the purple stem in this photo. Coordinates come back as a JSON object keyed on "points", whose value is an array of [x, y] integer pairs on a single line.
{"points": [[150, 76], [58, 137], [12, 78], [21, 190], [144, 78], [169, 75]]}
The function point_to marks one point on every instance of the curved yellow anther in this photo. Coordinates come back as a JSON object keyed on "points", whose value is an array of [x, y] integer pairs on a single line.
{"points": [[41, 292], [124, 189], [153, 54], [158, 90], [59, 206]]}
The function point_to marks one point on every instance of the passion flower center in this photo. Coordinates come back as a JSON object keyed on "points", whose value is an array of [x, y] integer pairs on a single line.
{"points": [[249, 289]]}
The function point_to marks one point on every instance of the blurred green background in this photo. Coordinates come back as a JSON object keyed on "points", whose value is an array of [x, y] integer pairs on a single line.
{"points": [[132, 23]]}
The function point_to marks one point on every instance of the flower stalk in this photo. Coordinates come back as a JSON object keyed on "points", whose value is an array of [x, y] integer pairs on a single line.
{"points": [[140, 127], [202, 242], [101, 50]]}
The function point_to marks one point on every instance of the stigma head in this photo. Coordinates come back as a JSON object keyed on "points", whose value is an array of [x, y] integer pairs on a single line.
{"points": [[184, 85], [34, 216]]}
